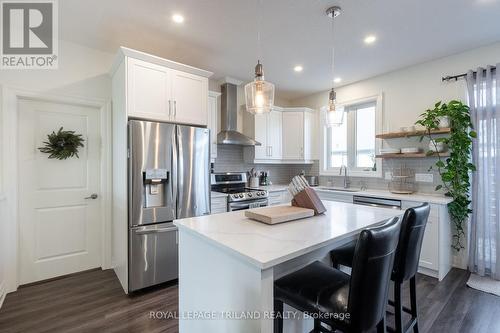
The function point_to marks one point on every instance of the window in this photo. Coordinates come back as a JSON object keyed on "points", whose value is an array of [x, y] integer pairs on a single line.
{"points": [[353, 144]]}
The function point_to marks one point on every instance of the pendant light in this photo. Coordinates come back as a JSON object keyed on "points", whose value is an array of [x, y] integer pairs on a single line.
{"points": [[259, 94], [334, 114]]}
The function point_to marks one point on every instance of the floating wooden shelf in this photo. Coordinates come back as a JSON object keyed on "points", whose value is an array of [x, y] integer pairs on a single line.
{"points": [[394, 135], [412, 155]]}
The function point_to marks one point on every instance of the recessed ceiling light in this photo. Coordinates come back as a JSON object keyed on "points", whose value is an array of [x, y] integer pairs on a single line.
{"points": [[178, 18], [370, 39], [337, 80], [298, 68]]}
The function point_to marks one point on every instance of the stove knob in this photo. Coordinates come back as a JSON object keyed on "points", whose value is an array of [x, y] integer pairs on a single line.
{"points": [[235, 196], [258, 193], [263, 193], [250, 195], [241, 195]]}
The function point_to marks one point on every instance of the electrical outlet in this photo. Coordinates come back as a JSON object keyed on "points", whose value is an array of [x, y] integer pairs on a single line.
{"points": [[424, 177], [388, 175]]}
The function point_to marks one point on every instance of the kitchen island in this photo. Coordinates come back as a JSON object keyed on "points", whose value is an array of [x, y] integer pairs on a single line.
{"points": [[228, 263]]}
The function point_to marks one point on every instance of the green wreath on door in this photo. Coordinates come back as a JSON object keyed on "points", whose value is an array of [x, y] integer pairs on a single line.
{"points": [[62, 144]]}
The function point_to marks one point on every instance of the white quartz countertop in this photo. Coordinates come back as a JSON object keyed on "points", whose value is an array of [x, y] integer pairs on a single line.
{"points": [[418, 197], [265, 245], [217, 194], [273, 188]]}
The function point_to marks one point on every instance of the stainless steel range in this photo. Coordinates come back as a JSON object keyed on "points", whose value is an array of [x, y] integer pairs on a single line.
{"points": [[239, 196]]}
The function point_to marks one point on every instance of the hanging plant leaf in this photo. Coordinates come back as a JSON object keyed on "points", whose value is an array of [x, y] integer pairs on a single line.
{"points": [[454, 170], [62, 145]]}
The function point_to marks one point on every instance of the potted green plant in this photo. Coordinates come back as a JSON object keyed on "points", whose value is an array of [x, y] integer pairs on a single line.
{"points": [[456, 168]]}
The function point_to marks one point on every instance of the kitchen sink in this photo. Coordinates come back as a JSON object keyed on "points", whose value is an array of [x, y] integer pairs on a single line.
{"points": [[341, 189]]}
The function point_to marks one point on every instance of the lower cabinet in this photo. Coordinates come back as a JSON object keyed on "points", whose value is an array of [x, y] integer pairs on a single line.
{"points": [[218, 205], [279, 197], [436, 254], [334, 196]]}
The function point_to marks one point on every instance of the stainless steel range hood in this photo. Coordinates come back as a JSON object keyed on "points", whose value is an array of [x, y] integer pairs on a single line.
{"points": [[229, 134]]}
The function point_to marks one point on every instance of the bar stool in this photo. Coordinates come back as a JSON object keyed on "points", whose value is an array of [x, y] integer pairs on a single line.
{"points": [[353, 303], [405, 263]]}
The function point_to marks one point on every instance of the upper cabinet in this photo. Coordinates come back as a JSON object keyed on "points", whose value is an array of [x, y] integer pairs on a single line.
{"points": [[299, 135], [287, 135], [162, 90], [267, 130], [213, 110], [189, 98], [148, 90]]}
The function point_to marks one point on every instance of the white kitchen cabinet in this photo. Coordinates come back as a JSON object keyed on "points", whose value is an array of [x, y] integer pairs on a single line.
{"points": [[299, 135], [218, 205], [436, 255], [266, 129], [148, 90], [189, 98], [213, 111], [163, 90], [278, 197], [335, 196], [274, 134]]}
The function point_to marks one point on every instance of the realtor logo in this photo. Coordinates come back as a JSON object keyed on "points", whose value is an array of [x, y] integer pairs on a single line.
{"points": [[29, 37]]}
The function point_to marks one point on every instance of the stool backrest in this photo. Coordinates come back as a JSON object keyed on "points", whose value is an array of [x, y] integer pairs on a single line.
{"points": [[371, 272], [410, 242]]}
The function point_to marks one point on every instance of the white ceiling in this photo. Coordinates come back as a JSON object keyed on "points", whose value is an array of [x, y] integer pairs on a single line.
{"points": [[221, 35]]}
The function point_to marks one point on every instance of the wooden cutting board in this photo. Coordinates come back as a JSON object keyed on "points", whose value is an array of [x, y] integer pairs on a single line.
{"points": [[278, 214]]}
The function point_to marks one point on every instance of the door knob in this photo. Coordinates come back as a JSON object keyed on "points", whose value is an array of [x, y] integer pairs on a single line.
{"points": [[93, 196]]}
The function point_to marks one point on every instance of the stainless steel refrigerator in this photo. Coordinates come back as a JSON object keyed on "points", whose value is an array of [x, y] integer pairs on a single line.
{"points": [[169, 179]]}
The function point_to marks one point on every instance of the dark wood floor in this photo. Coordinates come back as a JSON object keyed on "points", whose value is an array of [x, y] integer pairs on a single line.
{"points": [[94, 302]]}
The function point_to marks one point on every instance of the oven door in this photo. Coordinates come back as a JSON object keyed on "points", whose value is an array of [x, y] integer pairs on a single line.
{"points": [[234, 206]]}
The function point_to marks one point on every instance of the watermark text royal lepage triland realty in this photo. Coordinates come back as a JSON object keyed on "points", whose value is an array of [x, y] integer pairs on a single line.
{"points": [[29, 36]]}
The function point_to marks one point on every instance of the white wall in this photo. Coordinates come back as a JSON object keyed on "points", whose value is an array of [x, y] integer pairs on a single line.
{"points": [[410, 91]]}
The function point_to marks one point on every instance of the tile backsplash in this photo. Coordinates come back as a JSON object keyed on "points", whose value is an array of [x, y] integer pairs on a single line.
{"points": [[230, 159], [419, 165]]}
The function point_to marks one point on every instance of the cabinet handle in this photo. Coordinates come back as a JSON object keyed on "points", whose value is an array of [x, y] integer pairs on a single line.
{"points": [[169, 108], [175, 108]]}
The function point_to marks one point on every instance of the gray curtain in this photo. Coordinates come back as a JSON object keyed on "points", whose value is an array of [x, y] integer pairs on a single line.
{"points": [[484, 101]]}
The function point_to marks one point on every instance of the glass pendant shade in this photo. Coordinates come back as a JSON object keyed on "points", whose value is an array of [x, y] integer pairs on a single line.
{"points": [[259, 94], [334, 114]]}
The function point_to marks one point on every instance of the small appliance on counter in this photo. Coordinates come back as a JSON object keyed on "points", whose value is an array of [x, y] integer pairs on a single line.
{"points": [[239, 196]]}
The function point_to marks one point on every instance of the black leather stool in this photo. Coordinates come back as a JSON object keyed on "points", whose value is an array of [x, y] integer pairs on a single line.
{"points": [[405, 263], [353, 303]]}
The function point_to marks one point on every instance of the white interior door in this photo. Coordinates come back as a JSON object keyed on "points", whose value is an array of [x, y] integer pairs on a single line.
{"points": [[59, 226]]}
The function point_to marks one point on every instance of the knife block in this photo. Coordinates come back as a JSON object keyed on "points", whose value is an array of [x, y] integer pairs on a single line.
{"points": [[308, 198]]}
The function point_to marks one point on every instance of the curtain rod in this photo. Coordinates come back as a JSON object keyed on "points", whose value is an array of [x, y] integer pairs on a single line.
{"points": [[461, 76]]}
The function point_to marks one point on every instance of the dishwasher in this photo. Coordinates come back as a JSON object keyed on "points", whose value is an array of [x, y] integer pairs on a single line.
{"points": [[376, 202]]}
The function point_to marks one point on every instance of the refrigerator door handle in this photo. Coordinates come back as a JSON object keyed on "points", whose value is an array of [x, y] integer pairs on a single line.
{"points": [[155, 230], [175, 161]]}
